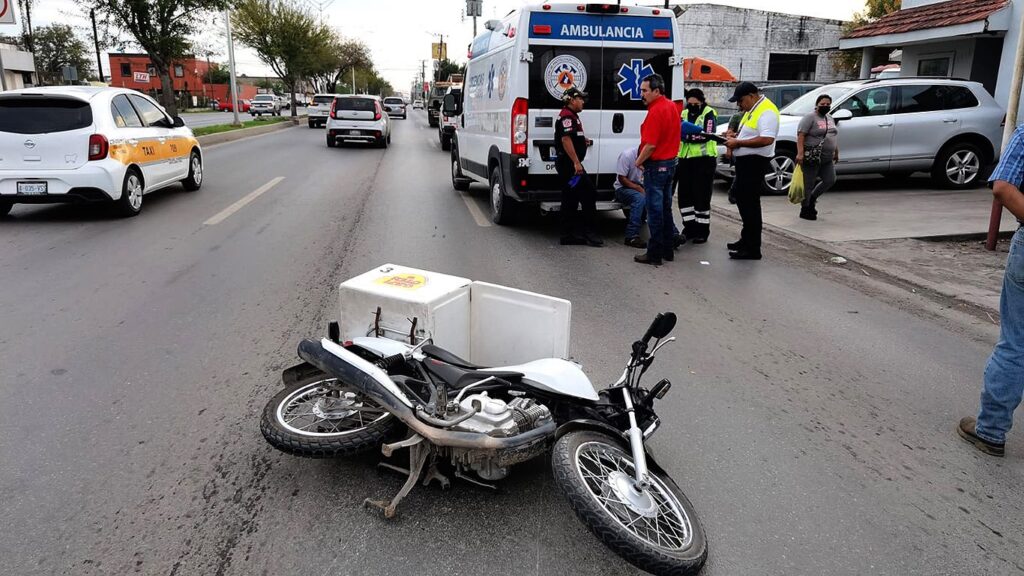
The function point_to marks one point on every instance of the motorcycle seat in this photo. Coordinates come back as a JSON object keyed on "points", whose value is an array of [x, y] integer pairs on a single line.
{"points": [[431, 351], [460, 377]]}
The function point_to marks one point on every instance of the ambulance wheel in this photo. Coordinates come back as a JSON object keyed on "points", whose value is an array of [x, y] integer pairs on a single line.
{"points": [[459, 182], [502, 207]]}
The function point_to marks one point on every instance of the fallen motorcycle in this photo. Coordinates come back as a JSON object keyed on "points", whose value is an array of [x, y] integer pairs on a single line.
{"points": [[475, 422]]}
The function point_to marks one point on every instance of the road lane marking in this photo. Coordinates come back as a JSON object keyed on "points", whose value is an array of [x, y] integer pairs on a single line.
{"points": [[223, 214], [474, 211]]}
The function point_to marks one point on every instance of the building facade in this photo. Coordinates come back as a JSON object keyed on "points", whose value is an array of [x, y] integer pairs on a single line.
{"points": [[761, 46], [971, 39], [18, 68], [187, 78]]}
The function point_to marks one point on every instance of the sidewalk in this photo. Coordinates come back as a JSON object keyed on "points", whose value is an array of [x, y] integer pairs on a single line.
{"points": [[933, 239]]}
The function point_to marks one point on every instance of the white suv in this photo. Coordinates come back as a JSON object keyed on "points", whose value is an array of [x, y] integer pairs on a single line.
{"points": [[265, 104], [358, 118], [895, 127], [319, 109], [86, 144]]}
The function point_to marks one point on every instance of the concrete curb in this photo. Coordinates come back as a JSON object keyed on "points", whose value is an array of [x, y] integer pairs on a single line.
{"points": [[889, 274], [232, 135]]}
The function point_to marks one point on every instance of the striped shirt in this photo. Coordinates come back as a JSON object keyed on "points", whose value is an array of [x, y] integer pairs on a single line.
{"points": [[1011, 164]]}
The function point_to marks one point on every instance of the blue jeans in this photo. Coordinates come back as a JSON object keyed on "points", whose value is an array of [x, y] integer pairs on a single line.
{"points": [[1004, 374], [658, 189], [634, 201]]}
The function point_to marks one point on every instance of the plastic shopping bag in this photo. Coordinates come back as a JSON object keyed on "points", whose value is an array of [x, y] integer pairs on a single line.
{"points": [[796, 186]]}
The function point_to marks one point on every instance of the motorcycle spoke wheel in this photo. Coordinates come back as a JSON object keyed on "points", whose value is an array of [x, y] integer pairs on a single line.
{"points": [[325, 409], [651, 514]]}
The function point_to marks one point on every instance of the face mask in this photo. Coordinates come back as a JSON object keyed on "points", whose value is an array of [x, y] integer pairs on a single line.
{"points": [[823, 110], [695, 108]]}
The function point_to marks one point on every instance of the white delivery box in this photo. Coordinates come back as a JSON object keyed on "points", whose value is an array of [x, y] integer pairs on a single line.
{"points": [[437, 303], [484, 323]]}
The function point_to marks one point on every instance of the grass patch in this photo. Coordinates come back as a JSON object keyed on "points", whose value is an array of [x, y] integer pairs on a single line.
{"points": [[217, 129]]}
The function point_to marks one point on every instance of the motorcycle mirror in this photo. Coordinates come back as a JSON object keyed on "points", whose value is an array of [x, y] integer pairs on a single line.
{"points": [[662, 325]]}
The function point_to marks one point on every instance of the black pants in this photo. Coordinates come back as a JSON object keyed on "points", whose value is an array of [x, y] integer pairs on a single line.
{"points": [[576, 222], [750, 173], [695, 177]]}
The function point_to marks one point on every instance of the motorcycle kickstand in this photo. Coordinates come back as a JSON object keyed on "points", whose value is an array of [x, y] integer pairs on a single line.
{"points": [[418, 453]]}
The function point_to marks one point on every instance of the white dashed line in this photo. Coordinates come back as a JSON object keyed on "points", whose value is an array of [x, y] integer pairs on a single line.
{"points": [[223, 214]]}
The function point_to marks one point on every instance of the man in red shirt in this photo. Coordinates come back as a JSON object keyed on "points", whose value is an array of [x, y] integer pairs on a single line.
{"points": [[659, 147]]}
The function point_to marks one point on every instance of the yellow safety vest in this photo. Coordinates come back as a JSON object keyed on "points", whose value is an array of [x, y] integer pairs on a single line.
{"points": [[698, 149], [750, 118]]}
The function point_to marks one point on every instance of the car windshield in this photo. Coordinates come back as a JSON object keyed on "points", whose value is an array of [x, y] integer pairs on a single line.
{"points": [[41, 116], [357, 104], [804, 105]]}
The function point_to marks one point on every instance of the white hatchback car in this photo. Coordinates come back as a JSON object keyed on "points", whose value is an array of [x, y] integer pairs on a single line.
{"points": [[71, 144], [359, 118]]}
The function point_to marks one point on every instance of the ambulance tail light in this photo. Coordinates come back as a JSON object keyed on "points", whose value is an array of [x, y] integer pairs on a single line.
{"points": [[520, 125], [662, 34], [541, 29], [98, 147]]}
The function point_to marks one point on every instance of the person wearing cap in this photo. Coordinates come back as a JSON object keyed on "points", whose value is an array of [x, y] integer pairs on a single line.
{"points": [[1004, 374], [698, 156], [577, 189], [659, 146], [753, 148]]}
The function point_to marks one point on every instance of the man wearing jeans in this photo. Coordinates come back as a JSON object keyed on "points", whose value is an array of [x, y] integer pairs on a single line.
{"points": [[629, 191], [1004, 374], [659, 145]]}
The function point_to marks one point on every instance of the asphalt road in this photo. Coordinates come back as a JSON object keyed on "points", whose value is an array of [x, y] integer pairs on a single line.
{"points": [[811, 421], [199, 119]]}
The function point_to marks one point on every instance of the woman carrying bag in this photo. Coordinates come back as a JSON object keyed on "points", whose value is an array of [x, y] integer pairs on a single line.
{"points": [[817, 151]]}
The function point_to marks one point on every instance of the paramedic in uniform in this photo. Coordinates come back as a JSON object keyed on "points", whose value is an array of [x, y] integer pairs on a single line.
{"points": [[577, 189], [698, 157], [753, 148]]}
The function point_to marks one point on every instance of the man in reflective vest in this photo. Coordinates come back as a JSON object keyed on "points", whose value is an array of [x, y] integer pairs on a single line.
{"points": [[753, 149], [696, 170]]}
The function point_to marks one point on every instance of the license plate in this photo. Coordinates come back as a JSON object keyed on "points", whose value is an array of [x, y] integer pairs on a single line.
{"points": [[32, 188], [353, 132]]}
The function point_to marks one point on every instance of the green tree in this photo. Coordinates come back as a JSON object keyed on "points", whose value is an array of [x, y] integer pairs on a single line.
{"points": [[217, 74], [347, 54], [445, 68], [848, 62], [58, 46], [287, 38], [160, 27], [25, 8]]}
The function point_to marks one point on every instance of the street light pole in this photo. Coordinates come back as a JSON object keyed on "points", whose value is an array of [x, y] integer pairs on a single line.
{"points": [[96, 42], [231, 69]]}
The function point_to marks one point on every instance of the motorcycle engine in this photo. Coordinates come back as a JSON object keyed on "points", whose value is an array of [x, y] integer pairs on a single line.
{"points": [[498, 418]]}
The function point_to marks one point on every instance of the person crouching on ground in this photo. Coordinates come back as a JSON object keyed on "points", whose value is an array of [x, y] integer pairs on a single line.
{"points": [[817, 151], [577, 189], [698, 156], [1004, 374], [629, 191], [659, 146]]}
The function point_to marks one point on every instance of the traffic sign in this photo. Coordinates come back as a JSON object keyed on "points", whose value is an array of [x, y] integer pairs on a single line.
{"points": [[474, 8], [7, 12], [438, 51]]}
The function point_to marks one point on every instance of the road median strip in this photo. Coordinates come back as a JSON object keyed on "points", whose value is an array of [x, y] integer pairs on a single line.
{"points": [[221, 133]]}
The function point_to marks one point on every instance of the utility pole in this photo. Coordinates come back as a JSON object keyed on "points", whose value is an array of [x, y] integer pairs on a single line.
{"points": [[1012, 106], [353, 79], [96, 42], [231, 69]]}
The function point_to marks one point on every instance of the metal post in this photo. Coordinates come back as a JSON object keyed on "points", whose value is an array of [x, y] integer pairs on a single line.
{"points": [[353, 79], [96, 42], [231, 67], [1011, 125]]}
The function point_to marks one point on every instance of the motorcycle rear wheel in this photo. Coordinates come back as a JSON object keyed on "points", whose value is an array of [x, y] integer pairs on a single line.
{"points": [[319, 417], [656, 529]]}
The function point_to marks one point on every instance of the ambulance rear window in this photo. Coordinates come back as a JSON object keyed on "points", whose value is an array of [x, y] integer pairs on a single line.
{"points": [[35, 115]]}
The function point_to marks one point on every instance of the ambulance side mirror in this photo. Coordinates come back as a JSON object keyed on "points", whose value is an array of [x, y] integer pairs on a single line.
{"points": [[452, 105]]}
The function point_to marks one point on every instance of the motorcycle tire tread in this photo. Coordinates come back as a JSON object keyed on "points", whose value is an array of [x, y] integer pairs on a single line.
{"points": [[606, 529], [360, 441]]}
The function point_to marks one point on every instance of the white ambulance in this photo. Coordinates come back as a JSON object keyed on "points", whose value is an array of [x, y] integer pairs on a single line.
{"points": [[519, 68]]}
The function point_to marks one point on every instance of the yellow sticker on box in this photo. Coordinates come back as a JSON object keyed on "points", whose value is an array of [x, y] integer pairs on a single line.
{"points": [[404, 281]]}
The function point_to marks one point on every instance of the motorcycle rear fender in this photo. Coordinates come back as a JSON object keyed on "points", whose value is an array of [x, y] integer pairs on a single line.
{"points": [[621, 437]]}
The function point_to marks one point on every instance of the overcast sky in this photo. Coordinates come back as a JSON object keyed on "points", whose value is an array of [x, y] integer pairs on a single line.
{"points": [[399, 33]]}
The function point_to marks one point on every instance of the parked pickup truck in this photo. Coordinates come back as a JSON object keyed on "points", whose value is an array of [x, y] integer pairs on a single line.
{"points": [[265, 104]]}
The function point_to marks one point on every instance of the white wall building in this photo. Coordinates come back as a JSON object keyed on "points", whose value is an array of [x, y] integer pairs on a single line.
{"points": [[971, 39], [19, 69]]}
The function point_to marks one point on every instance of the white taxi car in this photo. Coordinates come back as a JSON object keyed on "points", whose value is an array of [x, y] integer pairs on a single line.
{"points": [[72, 144]]}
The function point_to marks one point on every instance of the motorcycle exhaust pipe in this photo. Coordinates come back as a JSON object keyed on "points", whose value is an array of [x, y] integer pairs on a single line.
{"points": [[374, 382]]}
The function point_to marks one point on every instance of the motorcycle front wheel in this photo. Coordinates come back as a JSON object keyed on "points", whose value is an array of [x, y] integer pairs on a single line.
{"points": [[322, 418], [655, 529]]}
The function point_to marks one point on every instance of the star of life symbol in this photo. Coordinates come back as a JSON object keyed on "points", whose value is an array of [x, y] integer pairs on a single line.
{"points": [[632, 74], [490, 82]]}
